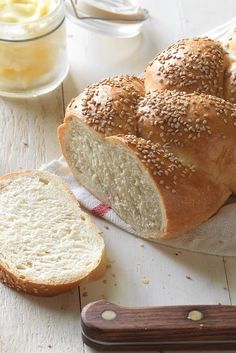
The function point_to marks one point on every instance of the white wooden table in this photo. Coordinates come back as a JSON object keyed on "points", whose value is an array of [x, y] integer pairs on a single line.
{"points": [[28, 139]]}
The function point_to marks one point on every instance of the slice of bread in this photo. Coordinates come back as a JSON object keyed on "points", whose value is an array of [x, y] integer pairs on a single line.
{"points": [[48, 245]]}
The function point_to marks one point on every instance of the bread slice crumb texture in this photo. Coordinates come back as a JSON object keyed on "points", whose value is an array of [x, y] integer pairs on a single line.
{"points": [[44, 236]]}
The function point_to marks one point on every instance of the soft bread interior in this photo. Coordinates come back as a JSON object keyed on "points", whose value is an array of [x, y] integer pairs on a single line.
{"points": [[115, 175], [44, 235]]}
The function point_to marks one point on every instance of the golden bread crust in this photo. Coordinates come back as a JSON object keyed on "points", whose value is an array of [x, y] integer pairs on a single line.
{"points": [[200, 129], [109, 106], [190, 65], [188, 194], [186, 142], [15, 280]]}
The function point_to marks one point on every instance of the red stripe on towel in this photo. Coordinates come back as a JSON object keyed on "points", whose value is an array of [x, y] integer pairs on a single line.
{"points": [[100, 210]]}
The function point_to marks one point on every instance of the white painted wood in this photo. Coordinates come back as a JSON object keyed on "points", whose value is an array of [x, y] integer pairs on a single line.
{"points": [[30, 324], [28, 139], [175, 277], [28, 131], [230, 267]]}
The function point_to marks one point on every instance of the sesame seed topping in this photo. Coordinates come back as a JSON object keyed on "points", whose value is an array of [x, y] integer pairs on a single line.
{"points": [[159, 123], [109, 106], [191, 65]]}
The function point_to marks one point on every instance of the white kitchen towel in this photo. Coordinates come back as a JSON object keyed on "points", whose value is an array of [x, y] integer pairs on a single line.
{"points": [[217, 236]]}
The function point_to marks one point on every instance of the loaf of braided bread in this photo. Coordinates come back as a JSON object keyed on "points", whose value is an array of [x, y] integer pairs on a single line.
{"points": [[164, 160]]}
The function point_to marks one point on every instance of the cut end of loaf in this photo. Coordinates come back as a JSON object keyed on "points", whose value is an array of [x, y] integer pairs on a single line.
{"points": [[109, 170], [150, 188], [48, 245]]}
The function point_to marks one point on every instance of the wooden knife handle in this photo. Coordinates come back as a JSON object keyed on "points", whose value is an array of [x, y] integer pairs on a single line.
{"points": [[107, 326]]}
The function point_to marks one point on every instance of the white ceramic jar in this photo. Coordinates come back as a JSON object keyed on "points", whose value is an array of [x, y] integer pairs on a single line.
{"points": [[33, 57]]}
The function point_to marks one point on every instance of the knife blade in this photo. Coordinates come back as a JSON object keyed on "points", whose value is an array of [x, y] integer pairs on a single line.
{"points": [[107, 326]]}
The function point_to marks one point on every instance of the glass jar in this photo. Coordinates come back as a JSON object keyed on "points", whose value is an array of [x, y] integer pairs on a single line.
{"points": [[117, 18], [33, 57]]}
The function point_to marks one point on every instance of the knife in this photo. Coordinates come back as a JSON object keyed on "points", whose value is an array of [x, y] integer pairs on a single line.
{"points": [[107, 326]]}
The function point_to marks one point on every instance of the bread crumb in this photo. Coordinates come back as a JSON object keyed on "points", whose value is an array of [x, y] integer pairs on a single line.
{"points": [[85, 294], [178, 253], [82, 218], [145, 280], [106, 227]]}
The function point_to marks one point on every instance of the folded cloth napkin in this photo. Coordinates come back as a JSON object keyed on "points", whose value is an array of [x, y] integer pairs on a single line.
{"points": [[217, 236]]}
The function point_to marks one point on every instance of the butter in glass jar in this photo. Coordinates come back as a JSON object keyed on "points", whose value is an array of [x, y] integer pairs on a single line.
{"points": [[33, 57]]}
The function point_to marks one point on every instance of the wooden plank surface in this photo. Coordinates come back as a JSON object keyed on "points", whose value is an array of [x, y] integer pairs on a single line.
{"points": [[139, 273], [28, 131], [29, 324]]}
